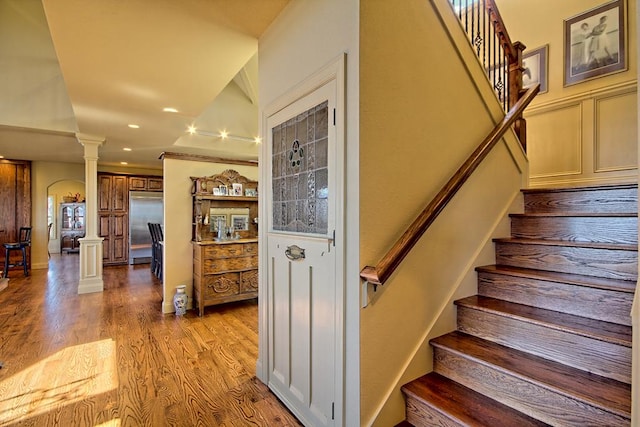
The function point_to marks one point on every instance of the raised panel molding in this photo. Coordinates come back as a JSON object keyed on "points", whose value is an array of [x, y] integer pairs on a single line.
{"points": [[616, 133], [588, 138], [553, 149]]}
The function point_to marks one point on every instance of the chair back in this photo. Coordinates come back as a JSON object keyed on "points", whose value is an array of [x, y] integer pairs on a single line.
{"points": [[24, 235]]}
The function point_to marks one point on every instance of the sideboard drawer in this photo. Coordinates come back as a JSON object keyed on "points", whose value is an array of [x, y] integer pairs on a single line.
{"points": [[226, 264], [221, 285], [223, 251]]}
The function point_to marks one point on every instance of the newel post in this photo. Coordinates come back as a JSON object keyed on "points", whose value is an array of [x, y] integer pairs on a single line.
{"points": [[516, 90]]}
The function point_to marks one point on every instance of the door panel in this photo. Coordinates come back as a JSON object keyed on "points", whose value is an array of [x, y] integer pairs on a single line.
{"points": [[301, 256]]}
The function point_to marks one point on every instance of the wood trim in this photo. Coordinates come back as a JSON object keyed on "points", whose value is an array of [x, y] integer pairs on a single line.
{"points": [[202, 158], [379, 274]]}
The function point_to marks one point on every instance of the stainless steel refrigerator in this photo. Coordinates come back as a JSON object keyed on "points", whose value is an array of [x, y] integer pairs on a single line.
{"points": [[144, 207]]}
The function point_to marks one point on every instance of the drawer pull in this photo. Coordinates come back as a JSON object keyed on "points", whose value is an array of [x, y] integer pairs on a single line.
{"points": [[294, 252]]}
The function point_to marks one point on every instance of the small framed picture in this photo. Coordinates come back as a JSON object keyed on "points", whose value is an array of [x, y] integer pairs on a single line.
{"points": [[251, 192], [240, 222], [535, 67], [595, 43], [236, 189], [217, 192], [223, 190]]}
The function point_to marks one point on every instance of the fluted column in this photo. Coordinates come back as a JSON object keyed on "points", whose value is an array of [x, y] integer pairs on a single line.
{"points": [[91, 243]]}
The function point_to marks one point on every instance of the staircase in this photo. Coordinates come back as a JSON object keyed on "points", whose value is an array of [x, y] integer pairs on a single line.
{"points": [[547, 340]]}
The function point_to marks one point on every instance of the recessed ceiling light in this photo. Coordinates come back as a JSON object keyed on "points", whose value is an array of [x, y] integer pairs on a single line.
{"points": [[132, 126], [1, 157], [124, 163], [127, 149], [191, 129], [224, 134], [169, 110], [257, 139]]}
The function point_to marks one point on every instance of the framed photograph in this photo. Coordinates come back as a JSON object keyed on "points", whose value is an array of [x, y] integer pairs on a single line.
{"points": [[240, 222], [216, 221], [236, 189], [250, 192], [536, 68], [217, 192], [222, 189], [595, 43]]}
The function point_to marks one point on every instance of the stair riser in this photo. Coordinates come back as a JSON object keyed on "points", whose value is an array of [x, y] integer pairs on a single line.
{"points": [[598, 357], [609, 263], [530, 398], [623, 230], [600, 304], [616, 200], [420, 414]]}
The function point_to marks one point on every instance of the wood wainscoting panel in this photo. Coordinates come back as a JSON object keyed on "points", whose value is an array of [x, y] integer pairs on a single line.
{"points": [[616, 133]]}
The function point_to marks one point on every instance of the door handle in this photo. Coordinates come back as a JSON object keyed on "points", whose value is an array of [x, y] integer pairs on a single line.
{"points": [[294, 252]]}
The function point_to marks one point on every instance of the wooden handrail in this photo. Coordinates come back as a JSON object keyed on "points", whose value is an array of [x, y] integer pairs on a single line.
{"points": [[379, 274]]}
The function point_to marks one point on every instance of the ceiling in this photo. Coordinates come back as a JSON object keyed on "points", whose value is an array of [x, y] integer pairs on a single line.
{"points": [[94, 67]]}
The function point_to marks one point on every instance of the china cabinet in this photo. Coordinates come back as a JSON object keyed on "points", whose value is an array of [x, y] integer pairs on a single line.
{"points": [[72, 226]]}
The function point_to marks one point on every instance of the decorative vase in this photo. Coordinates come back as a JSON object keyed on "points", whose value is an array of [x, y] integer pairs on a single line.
{"points": [[180, 300]]}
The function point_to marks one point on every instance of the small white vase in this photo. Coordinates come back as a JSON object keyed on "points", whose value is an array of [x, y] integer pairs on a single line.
{"points": [[180, 300]]}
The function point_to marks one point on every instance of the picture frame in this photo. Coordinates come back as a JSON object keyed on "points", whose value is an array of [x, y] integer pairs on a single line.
{"points": [[222, 189], [236, 189], [217, 192], [595, 43], [240, 222], [536, 68], [251, 192]]}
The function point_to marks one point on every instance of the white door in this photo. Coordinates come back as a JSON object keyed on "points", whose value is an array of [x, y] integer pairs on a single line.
{"points": [[305, 351]]}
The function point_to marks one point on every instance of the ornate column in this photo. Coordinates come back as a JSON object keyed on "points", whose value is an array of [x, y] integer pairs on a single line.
{"points": [[90, 244]]}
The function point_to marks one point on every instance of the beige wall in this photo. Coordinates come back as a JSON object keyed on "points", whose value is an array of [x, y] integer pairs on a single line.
{"points": [[421, 115], [58, 190], [307, 36], [43, 175], [178, 252], [584, 133]]}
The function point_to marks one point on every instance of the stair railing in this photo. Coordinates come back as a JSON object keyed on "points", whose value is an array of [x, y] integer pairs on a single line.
{"points": [[500, 58], [379, 274]]}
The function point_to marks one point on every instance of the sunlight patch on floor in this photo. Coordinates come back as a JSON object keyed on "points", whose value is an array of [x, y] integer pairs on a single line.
{"points": [[71, 375]]}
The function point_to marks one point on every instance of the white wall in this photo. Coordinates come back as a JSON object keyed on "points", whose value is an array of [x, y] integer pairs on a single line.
{"points": [[178, 251], [306, 36]]}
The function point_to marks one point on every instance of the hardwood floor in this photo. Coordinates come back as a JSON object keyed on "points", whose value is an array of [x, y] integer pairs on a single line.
{"points": [[113, 359]]}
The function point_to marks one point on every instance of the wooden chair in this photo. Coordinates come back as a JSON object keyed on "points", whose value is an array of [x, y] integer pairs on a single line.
{"points": [[24, 240], [155, 229], [49, 238]]}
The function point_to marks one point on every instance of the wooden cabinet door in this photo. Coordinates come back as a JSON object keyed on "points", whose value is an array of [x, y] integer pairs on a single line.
{"points": [[119, 238], [154, 184], [15, 200], [104, 192], [120, 194], [137, 183]]}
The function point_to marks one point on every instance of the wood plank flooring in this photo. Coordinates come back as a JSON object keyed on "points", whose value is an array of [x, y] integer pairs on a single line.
{"points": [[113, 359]]}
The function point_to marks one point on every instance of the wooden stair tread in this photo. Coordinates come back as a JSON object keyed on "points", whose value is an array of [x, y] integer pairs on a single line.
{"points": [[595, 329], [579, 188], [575, 214], [610, 395], [466, 406], [551, 276], [567, 243]]}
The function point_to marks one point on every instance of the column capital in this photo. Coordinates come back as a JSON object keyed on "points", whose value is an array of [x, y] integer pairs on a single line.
{"points": [[88, 139]]}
